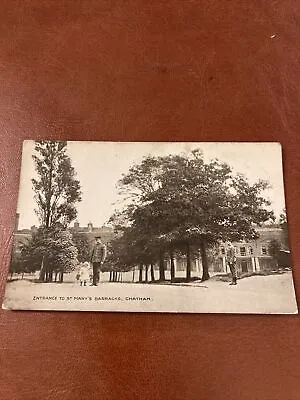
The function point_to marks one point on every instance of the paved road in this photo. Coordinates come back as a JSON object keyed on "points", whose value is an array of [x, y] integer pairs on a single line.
{"points": [[257, 294]]}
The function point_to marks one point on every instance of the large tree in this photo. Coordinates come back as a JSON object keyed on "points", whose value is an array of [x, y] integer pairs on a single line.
{"points": [[56, 188], [120, 255], [17, 264], [194, 203], [51, 251], [83, 246], [274, 248], [284, 226]]}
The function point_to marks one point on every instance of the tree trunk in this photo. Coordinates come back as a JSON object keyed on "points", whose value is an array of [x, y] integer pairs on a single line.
{"points": [[172, 264], [205, 275], [47, 276], [110, 276], [141, 273], [42, 276], [133, 272], [188, 262], [146, 272], [49, 195], [152, 273], [162, 276]]}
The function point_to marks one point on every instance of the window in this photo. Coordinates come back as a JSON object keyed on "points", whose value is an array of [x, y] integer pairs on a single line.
{"points": [[251, 251], [264, 250], [222, 250], [243, 251]]}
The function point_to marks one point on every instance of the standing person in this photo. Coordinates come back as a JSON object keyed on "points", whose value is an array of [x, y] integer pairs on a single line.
{"points": [[97, 259], [84, 273], [231, 261]]}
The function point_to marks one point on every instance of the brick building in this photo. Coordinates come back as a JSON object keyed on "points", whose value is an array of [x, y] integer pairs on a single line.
{"points": [[22, 236], [90, 232], [252, 256]]}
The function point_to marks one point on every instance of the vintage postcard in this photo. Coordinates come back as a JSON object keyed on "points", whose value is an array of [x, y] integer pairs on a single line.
{"points": [[151, 227]]}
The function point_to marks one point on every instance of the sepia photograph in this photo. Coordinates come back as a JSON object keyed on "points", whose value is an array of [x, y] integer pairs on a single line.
{"points": [[178, 227]]}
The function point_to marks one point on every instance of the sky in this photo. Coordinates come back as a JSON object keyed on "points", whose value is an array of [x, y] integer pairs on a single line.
{"points": [[99, 166]]}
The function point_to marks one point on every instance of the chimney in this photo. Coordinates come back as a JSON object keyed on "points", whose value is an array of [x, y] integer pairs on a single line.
{"points": [[17, 222]]}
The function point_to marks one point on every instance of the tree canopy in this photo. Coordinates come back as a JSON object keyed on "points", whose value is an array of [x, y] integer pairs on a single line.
{"points": [[284, 226], [182, 200], [50, 250], [56, 188], [83, 246]]}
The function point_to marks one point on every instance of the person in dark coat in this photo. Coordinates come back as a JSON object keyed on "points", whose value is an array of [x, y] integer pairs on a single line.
{"points": [[231, 261], [97, 259]]}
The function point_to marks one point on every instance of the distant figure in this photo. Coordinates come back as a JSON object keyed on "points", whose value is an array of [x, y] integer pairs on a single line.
{"points": [[231, 261], [97, 259], [84, 273]]}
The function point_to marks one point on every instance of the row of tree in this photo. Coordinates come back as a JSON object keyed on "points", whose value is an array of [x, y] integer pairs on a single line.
{"points": [[183, 204], [173, 205], [52, 251]]}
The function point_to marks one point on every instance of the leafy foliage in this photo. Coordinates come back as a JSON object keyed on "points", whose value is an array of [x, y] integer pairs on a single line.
{"points": [[274, 250], [184, 202], [50, 250], [284, 226], [83, 246], [56, 189]]}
